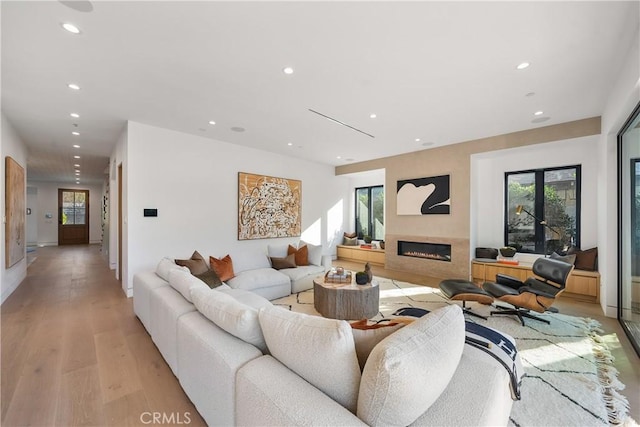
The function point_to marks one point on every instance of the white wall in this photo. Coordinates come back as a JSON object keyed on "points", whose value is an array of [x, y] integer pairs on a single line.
{"points": [[47, 203], [487, 186], [10, 145], [623, 97], [192, 181]]}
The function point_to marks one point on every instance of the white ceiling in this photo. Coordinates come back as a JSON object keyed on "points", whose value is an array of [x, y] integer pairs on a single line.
{"points": [[443, 72]]}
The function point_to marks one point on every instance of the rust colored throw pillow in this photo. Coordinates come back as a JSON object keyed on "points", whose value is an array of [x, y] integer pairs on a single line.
{"points": [[585, 260], [287, 262], [301, 254], [223, 267], [196, 264], [350, 235]]}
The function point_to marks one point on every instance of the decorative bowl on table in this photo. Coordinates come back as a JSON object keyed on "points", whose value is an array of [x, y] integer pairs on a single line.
{"points": [[362, 278], [508, 251]]}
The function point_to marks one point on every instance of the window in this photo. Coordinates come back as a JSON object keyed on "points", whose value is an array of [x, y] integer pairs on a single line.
{"points": [[542, 211], [73, 207], [370, 212]]}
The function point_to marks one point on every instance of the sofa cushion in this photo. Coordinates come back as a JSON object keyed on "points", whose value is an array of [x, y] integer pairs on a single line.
{"points": [[196, 264], [249, 298], [223, 267], [301, 254], [407, 371], [235, 317], [249, 260], [258, 278], [300, 272], [181, 279], [278, 251], [314, 252], [320, 350], [287, 262], [164, 266]]}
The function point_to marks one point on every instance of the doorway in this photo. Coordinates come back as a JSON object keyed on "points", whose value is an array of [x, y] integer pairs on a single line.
{"points": [[73, 217]]}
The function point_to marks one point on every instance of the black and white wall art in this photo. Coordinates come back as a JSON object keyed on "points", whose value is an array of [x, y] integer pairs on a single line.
{"points": [[424, 196]]}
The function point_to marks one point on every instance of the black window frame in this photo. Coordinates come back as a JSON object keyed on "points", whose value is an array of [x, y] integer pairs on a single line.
{"points": [[539, 229], [369, 207]]}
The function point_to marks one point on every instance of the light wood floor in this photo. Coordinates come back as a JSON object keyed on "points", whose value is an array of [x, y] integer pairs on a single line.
{"points": [[73, 353]]}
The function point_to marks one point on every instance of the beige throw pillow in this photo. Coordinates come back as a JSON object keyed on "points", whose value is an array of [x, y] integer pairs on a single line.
{"points": [[407, 371], [320, 350]]}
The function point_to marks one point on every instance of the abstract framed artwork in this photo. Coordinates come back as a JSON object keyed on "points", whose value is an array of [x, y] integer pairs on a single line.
{"points": [[15, 208], [268, 207], [424, 196]]}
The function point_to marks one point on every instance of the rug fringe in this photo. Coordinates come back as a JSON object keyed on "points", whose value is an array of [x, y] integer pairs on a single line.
{"points": [[617, 405]]}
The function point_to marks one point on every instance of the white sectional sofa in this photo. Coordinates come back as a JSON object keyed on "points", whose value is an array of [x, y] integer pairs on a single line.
{"points": [[253, 272], [243, 361]]}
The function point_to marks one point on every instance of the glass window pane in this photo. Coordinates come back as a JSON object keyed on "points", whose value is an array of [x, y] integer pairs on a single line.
{"points": [[560, 209], [521, 227], [377, 206], [362, 212]]}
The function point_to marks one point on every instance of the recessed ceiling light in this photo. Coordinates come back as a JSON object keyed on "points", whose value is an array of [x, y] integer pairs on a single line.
{"points": [[76, 157], [289, 144], [77, 173], [75, 115], [338, 157], [77, 165], [73, 86], [523, 65], [76, 146], [75, 133], [373, 115], [70, 27], [540, 119], [211, 122], [538, 113], [287, 70], [417, 139]]}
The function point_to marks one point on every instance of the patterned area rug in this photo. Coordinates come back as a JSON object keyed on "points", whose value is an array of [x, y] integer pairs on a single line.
{"points": [[569, 377]]}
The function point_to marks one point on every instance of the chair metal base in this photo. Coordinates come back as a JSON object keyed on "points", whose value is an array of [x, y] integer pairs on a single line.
{"points": [[520, 312], [471, 313]]}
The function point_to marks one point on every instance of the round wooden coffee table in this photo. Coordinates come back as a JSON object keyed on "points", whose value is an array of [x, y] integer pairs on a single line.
{"points": [[346, 301]]}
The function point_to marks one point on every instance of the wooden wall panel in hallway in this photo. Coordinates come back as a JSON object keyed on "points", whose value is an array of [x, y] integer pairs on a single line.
{"points": [[73, 352]]}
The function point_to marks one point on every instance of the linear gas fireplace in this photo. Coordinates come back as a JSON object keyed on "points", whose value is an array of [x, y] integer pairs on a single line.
{"points": [[435, 251]]}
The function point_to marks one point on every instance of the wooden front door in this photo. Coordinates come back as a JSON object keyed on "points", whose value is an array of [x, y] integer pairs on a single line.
{"points": [[73, 217]]}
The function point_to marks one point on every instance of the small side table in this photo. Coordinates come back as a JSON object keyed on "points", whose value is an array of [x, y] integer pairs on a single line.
{"points": [[346, 301]]}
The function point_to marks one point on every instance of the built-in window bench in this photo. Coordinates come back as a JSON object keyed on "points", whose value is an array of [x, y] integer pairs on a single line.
{"points": [[358, 254], [582, 285]]}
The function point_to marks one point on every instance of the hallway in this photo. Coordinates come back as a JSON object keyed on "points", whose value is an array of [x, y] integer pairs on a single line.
{"points": [[73, 352]]}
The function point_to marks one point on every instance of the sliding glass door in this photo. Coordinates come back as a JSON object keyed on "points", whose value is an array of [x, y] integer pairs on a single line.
{"points": [[629, 228]]}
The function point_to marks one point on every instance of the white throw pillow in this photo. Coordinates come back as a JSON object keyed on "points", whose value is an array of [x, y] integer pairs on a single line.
{"points": [[315, 252], [164, 266], [181, 279], [320, 350], [407, 371], [277, 251], [237, 318]]}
